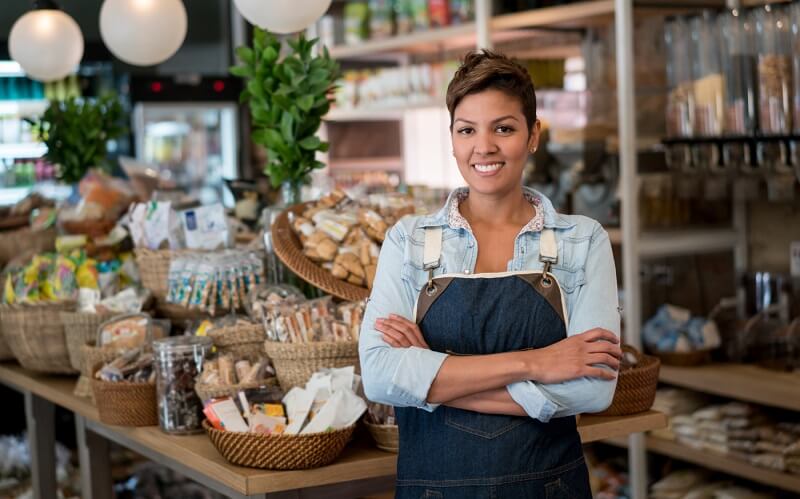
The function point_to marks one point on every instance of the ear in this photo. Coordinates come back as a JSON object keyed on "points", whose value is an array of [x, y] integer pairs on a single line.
{"points": [[533, 140]]}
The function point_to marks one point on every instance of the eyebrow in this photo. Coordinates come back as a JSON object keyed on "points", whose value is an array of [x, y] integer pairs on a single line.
{"points": [[506, 117]]}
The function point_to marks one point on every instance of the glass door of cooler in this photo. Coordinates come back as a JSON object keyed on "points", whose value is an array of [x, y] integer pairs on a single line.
{"points": [[193, 145]]}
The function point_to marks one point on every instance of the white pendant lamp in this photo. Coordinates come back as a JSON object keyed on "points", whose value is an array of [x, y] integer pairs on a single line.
{"points": [[282, 16], [46, 42], [143, 32]]}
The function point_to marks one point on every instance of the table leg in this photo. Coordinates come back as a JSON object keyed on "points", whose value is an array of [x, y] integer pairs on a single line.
{"points": [[93, 455], [39, 415]]}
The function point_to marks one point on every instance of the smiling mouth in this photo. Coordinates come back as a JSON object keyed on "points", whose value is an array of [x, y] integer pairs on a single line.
{"points": [[488, 167]]}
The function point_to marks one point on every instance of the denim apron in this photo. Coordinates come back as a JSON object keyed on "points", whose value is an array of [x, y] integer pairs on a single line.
{"points": [[455, 453]]}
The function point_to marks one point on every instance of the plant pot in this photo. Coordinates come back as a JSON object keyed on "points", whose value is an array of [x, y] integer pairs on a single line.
{"points": [[291, 192]]}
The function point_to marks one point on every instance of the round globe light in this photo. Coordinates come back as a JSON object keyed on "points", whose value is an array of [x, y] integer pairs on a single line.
{"points": [[143, 32], [282, 16], [47, 43]]}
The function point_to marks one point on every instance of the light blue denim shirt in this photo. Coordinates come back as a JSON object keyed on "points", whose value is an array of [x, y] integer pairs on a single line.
{"points": [[585, 270]]}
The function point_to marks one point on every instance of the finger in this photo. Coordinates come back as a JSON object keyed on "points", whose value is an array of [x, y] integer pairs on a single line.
{"points": [[599, 372], [605, 347], [391, 341], [398, 339], [410, 330], [605, 359], [601, 334], [398, 329]]}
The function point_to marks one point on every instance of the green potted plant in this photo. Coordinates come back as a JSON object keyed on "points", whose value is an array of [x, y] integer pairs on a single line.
{"points": [[288, 96], [76, 132]]}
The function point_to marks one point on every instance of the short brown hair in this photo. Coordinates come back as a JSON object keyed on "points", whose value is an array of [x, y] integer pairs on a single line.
{"points": [[482, 70]]}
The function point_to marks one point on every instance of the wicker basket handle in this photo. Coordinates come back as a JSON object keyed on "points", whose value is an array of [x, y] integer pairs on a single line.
{"points": [[631, 350]]}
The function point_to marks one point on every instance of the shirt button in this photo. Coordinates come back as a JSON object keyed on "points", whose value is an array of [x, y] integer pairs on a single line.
{"points": [[466, 271]]}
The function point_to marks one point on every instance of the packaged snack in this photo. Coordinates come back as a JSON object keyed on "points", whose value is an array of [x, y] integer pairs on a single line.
{"points": [[439, 13], [206, 227], [128, 331]]}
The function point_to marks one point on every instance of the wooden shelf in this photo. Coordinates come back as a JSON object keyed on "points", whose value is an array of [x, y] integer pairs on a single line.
{"points": [[593, 428], [739, 381], [654, 244], [718, 462], [391, 164], [389, 113]]}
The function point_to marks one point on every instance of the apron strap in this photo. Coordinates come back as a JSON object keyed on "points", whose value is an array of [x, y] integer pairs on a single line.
{"points": [[548, 249]]}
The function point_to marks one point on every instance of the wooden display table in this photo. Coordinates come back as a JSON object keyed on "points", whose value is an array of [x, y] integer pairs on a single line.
{"points": [[361, 470]]}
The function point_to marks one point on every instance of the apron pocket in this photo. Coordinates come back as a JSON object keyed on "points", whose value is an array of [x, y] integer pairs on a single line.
{"points": [[486, 426]]}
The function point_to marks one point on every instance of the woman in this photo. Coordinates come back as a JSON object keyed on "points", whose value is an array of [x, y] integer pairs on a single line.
{"points": [[495, 319]]}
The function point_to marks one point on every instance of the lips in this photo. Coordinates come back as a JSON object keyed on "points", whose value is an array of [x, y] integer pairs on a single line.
{"points": [[488, 169]]}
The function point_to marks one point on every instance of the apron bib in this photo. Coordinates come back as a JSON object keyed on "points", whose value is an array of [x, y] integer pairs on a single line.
{"points": [[461, 454]]}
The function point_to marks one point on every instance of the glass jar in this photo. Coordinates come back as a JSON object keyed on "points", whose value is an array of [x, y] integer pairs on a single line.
{"points": [[708, 87], [679, 101], [179, 360], [739, 64], [679, 79], [774, 69]]}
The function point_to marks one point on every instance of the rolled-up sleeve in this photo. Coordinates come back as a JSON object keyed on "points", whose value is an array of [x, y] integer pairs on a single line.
{"points": [[396, 376], [596, 306]]}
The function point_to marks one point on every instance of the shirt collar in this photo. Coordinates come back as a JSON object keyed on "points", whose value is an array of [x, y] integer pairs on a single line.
{"points": [[546, 215]]}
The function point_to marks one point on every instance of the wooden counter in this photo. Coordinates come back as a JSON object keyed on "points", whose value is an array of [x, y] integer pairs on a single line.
{"points": [[196, 457]]}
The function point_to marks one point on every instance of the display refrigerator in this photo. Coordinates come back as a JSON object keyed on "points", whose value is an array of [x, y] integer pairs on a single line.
{"points": [[192, 145]]}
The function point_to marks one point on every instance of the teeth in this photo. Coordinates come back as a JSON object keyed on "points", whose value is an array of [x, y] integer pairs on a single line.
{"points": [[488, 168]]}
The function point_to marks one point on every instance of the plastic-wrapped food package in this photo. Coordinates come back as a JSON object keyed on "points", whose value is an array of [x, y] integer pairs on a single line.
{"points": [[774, 69]]}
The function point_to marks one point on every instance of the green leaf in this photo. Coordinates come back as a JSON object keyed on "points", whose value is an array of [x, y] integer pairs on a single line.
{"points": [[305, 103], [241, 71], [310, 143], [287, 125], [270, 55], [323, 147], [244, 96], [255, 89], [245, 54]]}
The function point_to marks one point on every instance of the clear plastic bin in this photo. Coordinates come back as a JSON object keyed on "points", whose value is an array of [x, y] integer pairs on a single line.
{"points": [[179, 360]]}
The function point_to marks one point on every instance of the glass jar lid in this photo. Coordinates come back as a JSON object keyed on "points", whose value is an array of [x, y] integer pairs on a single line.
{"points": [[181, 344]]}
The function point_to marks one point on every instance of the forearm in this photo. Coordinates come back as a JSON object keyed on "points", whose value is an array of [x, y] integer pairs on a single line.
{"points": [[495, 401], [461, 376]]}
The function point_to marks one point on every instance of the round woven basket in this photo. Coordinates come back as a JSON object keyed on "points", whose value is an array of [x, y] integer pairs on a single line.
{"points": [[289, 249], [636, 385], [243, 341], [5, 350], [387, 436], [25, 240], [80, 328], [295, 362], [279, 452], [208, 392], [35, 335], [93, 357], [125, 404]]}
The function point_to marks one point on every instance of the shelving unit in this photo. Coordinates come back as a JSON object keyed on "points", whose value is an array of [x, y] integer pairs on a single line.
{"points": [[368, 164], [718, 462], [743, 382]]}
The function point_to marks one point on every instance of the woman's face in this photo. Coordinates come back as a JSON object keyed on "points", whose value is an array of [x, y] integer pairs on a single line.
{"points": [[491, 141]]}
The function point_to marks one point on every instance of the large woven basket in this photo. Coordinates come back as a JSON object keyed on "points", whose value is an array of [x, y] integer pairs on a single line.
{"points": [[243, 341], [208, 392], [386, 436], [290, 250], [91, 358], [154, 270], [125, 404], [685, 359], [5, 350], [279, 452], [35, 334], [636, 385], [80, 328], [25, 240], [295, 362]]}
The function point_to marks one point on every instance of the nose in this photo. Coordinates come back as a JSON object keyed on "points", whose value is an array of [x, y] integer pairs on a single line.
{"points": [[484, 143]]}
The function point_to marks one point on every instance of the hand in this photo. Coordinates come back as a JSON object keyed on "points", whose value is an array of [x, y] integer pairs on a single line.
{"points": [[400, 332], [576, 357]]}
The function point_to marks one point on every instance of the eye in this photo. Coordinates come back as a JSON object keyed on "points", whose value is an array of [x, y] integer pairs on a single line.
{"points": [[465, 131], [505, 129]]}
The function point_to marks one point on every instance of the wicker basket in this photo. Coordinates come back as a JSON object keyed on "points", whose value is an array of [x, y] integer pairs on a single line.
{"points": [[207, 392], [25, 240], [5, 350], [154, 270], [387, 436], [243, 341], [93, 357], [35, 334], [295, 362], [289, 249], [125, 404], [80, 328], [636, 385], [279, 452]]}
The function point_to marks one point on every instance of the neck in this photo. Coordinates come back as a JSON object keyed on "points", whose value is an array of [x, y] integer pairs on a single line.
{"points": [[508, 208]]}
